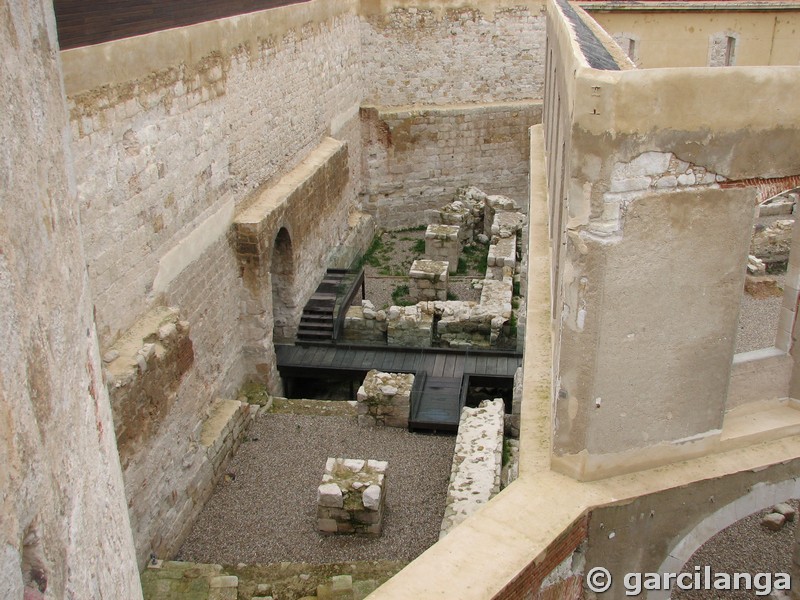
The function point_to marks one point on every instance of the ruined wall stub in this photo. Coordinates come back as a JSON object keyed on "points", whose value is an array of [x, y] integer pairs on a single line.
{"points": [[65, 526], [649, 244]]}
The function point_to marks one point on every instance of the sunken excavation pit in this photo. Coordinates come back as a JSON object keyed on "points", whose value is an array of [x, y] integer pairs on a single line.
{"points": [[364, 469]]}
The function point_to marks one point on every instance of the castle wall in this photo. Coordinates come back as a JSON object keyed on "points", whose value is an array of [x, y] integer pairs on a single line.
{"points": [[469, 120], [652, 249], [417, 157], [425, 53], [64, 526], [175, 133]]}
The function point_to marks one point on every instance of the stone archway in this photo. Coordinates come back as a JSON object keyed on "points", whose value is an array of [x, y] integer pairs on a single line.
{"points": [[282, 282], [761, 496]]}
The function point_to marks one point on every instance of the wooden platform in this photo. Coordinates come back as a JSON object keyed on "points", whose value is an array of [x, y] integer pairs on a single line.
{"points": [[439, 403]]}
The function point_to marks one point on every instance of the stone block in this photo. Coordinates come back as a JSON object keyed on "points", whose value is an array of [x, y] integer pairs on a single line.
{"points": [[361, 484], [773, 521], [384, 398]]}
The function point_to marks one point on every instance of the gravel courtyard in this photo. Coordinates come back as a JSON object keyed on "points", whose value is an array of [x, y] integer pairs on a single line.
{"points": [[265, 511], [744, 547]]}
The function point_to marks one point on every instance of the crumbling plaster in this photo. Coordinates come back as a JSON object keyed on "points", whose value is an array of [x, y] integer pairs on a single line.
{"points": [[649, 270]]}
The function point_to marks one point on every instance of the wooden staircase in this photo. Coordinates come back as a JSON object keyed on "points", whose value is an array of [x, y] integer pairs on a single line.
{"points": [[316, 322]]}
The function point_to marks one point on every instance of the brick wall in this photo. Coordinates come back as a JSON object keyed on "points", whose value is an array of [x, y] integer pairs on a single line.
{"points": [[417, 158], [526, 585]]}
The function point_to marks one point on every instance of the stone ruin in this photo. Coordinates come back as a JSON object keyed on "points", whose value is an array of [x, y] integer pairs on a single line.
{"points": [[473, 215], [385, 399], [429, 279], [477, 462], [351, 497]]}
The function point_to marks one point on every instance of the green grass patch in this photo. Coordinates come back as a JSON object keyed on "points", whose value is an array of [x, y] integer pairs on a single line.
{"points": [[400, 296], [452, 295], [256, 393], [418, 247], [415, 228], [506, 451]]}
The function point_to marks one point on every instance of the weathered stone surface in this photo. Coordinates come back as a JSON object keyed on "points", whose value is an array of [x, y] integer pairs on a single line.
{"points": [[443, 243], [384, 399], [762, 287], [330, 494], [477, 462], [787, 510], [364, 323], [773, 243], [372, 497], [773, 521], [429, 280], [410, 325], [360, 500]]}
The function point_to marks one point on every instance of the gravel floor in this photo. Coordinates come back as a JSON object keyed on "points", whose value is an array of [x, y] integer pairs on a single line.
{"points": [[379, 289], [758, 320], [267, 513], [745, 546]]}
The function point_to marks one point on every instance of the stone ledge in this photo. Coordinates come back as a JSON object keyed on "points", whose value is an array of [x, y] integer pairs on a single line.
{"points": [[477, 462]]}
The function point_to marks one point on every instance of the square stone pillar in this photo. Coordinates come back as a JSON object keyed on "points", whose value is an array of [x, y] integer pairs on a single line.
{"points": [[385, 399], [442, 243], [351, 497], [429, 280]]}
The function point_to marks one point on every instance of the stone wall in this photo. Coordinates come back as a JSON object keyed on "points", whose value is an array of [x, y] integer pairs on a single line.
{"points": [[417, 157], [65, 531], [174, 134], [426, 55], [477, 461]]}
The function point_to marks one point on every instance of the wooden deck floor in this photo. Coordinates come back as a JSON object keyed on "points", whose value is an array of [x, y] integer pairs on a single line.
{"points": [[443, 396]]}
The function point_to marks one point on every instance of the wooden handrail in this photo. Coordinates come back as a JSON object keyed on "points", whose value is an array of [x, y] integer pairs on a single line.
{"points": [[348, 298]]}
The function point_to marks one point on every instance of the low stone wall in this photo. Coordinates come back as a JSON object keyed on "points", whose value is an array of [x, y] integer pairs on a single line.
{"points": [[503, 253], [410, 325], [429, 280], [352, 497], [221, 435], [477, 462], [463, 324], [364, 324], [466, 211], [384, 399]]}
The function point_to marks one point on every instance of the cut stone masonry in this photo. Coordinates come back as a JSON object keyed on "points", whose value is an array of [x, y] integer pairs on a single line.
{"points": [[477, 462], [429, 280]]}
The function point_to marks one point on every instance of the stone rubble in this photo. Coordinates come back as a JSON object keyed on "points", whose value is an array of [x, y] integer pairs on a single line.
{"points": [[773, 243], [443, 243], [384, 399], [477, 462], [351, 497], [453, 323]]}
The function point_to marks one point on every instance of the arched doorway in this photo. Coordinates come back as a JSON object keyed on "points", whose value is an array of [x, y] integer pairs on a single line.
{"points": [[282, 280]]}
